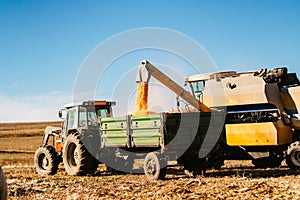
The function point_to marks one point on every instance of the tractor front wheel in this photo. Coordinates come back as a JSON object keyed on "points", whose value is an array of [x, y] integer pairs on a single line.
{"points": [[46, 160]]}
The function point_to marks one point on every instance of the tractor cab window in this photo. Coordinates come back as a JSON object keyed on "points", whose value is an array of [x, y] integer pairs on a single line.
{"points": [[103, 112], [82, 117], [71, 119], [197, 88], [87, 117], [92, 117]]}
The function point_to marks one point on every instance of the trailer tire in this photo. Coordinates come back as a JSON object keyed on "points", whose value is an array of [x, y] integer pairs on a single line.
{"points": [[46, 160], [77, 160], [293, 156], [154, 166]]}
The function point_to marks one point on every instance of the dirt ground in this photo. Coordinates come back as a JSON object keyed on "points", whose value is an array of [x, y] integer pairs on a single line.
{"points": [[236, 180]]}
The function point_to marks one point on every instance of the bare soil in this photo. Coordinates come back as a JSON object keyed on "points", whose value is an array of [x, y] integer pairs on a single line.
{"points": [[236, 180]]}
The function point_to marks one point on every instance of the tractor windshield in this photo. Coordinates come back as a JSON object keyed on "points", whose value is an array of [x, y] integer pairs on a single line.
{"points": [[103, 111], [90, 115], [87, 117]]}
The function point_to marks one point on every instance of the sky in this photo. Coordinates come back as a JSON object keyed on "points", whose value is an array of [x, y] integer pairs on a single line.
{"points": [[43, 44]]}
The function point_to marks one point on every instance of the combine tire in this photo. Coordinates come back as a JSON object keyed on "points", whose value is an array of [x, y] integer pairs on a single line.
{"points": [[77, 160], [154, 167], [46, 160], [293, 156]]}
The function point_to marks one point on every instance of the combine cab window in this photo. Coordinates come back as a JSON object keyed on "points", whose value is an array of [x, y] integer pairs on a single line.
{"points": [[197, 88]]}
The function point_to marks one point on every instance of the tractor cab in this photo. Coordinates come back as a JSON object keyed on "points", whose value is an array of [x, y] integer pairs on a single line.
{"points": [[81, 125], [85, 115]]}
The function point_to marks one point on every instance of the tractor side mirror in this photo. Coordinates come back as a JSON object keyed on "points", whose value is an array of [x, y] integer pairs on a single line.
{"points": [[62, 114]]}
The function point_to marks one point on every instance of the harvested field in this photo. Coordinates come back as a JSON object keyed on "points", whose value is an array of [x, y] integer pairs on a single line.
{"points": [[236, 180], [25, 128], [16, 144]]}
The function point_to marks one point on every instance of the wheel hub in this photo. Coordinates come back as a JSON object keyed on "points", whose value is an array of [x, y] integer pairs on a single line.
{"points": [[45, 162], [151, 167], [76, 155]]}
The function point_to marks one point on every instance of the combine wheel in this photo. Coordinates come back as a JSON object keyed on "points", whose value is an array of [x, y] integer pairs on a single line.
{"points": [[293, 156], [77, 160], [154, 167], [46, 160]]}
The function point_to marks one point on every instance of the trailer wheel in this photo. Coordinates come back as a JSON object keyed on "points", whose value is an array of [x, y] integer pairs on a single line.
{"points": [[77, 160], [46, 160], [293, 156], [154, 167]]}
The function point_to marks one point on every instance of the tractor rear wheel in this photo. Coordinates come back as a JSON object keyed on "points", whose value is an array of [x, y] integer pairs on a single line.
{"points": [[154, 167], [293, 156], [77, 160], [46, 160]]}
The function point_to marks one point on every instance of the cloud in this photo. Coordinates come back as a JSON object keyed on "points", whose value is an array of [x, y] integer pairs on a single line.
{"points": [[41, 107]]}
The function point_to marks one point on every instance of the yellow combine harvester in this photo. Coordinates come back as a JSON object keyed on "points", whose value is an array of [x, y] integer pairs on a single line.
{"points": [[262, 113]]}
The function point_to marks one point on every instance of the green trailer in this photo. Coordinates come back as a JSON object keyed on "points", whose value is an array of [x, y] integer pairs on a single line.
{"points": [[164, 137]]}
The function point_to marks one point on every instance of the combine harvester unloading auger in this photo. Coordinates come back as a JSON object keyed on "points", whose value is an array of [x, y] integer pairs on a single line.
{"points": [[261, 125], [145, 71]]}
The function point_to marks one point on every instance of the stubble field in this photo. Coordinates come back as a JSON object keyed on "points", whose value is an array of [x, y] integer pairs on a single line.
{"points": [[236, 179]]}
